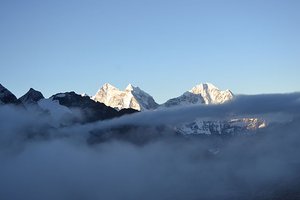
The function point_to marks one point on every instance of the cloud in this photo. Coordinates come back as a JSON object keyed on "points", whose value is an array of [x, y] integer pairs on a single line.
{"points": [[60, 163], [270, 106]]}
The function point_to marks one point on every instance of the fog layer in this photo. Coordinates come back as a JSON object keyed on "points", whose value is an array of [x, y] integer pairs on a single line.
{"points": [[40, 160]]}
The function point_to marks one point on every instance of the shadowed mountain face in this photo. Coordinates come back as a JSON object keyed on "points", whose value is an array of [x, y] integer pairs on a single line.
{"points": [[91, 110], [69, 106], [31, 97], [6, 97]]}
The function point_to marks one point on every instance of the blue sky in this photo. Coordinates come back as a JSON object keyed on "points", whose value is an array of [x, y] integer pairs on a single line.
{"points": [[163, 46]]}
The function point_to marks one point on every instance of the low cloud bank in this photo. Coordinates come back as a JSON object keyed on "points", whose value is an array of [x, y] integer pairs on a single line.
{"points": [[42, 161]]}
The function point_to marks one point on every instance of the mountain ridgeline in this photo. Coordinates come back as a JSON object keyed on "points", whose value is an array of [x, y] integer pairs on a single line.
{"points": [[75, 107], [110, 102], [131, 97], [6, 97], [135, 98]]}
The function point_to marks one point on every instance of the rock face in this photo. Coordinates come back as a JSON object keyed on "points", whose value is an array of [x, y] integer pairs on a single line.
{"points": [[204, 93], [91, 110], [6, 97], [31, 97], [131, 97]]}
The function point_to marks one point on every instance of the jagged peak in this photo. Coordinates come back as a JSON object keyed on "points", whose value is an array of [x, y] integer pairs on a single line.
{"points": [[32, 96], [203, 87], [31, 90], [108, 86], [206, 93], [4, 89], [7, 96], [134, 89], [131, 97], [130, 87], [207, 85]]}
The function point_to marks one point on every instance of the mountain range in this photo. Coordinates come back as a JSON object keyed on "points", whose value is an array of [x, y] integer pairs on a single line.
{"points": [[131, 97], [110, 102], [135, 98]]}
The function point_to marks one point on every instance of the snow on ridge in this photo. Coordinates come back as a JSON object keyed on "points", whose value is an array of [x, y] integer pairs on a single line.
{"points": [[203, 93], [131, 97]]}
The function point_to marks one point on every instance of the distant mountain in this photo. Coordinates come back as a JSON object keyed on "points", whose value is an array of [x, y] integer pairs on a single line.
{"points": [[207, 93], [6, 97], [31, 97], [109, 102], [204, 93], [230, 127], [131, 97]]}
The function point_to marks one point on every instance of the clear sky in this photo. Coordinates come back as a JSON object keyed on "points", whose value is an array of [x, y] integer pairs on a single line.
{"points": [[163, 46]]}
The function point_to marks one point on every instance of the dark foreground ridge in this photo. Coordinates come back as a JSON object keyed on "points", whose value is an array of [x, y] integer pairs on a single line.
{"points": [[91, 110], [85, 108], [6, 97]]}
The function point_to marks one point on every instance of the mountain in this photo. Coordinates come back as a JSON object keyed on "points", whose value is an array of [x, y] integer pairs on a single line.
{"points": [[230, 127], [89, 110], [6, 97], [109, 102], [204, 93], [131, 97], [207, 93], [31, 97]]}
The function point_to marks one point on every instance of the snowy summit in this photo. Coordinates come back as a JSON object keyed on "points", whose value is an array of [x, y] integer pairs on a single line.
{"points": [[131, 97], [211, 94], [203, 93]]}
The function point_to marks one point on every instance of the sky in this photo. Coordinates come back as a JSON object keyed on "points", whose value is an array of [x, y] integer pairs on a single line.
{"points": [[163, 46]]}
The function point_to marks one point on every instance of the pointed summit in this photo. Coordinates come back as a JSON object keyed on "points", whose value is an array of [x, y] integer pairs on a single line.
{"points": [[130, 87], [203, 93], [108, 86], [6, 97], [211, 94], [31, 97], [203, 87], [131, 97]]}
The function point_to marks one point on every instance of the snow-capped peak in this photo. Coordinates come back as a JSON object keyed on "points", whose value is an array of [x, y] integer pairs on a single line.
{"points": [[198, 89], [130, 87], [132, 97], [108, 87], [211, 94], [203, 93]]}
